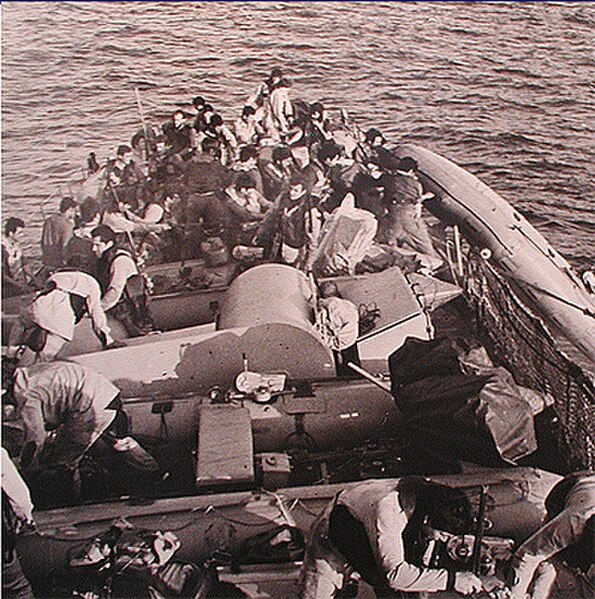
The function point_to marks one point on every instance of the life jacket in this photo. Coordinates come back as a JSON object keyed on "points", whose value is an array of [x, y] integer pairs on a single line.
{"points": [[104, 265], [132, 309]]}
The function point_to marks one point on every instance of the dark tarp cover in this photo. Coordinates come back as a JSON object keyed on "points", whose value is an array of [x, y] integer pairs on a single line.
{"points": [[431, 388]]}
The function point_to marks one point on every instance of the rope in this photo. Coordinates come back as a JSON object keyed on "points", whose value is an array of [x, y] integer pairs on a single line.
{"points": [[208, 510], [585, 311], [521, 342]]}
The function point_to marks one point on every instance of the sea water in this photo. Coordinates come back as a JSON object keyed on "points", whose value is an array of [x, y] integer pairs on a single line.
{"points": [[503, 89]]}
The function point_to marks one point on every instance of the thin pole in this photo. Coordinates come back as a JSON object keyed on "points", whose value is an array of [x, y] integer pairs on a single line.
{"points": [[369, 376], [143, 121]]}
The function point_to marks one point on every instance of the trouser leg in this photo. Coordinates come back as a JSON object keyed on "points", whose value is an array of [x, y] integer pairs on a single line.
{"points": [[417, 234], [53, 345], [14, 583]]}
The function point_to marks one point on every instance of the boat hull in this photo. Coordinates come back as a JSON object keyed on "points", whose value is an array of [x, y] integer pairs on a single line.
{"points": [[204, 524], [522, 253]]}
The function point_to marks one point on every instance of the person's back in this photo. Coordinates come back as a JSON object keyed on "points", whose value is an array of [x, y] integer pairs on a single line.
{"points": [[407, 188], [208, 210], [281, 110], [568, 533], [369, 193], [65, 408], [205, 173], [404, 224], [56, 232], [48, 323], [62, 394], [370, 528]]}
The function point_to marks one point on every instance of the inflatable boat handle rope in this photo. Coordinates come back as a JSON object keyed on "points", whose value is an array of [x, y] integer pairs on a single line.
{"points": [[285, 512]]}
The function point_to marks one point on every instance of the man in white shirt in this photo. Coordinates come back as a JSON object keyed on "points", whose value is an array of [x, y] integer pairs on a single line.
{"points": [[340, 320], [48, 323]]}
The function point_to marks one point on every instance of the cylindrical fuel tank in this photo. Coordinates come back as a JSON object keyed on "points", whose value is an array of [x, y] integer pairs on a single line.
{"points": [[265, 294]]}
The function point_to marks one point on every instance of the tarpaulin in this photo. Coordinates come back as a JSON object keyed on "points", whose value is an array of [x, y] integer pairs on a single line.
{"points": [[345, 240], [431, 388]]}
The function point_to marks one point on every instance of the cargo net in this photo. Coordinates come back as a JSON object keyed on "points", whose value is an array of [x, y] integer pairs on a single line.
{"points": [[519, 341]]}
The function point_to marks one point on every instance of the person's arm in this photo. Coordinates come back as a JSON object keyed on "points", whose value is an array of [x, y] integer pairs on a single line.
{"points": [[97, 315], [400, 574], [193, 138], [265, 205], [153, 214], [326, 135], [230, 138], [243, 213], [122, 268], [16, 490], [30, 411], [559, 533], [294, 136]]}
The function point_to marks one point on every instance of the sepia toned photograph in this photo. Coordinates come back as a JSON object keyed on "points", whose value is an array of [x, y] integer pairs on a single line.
{"points": [[298, 300]]}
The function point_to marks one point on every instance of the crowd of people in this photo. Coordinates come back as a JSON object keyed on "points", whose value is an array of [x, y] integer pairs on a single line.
{"points": [[270, 179], [272, 186]]}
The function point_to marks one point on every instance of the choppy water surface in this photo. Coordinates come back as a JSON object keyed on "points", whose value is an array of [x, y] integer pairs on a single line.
{"points": [[505, 90]]}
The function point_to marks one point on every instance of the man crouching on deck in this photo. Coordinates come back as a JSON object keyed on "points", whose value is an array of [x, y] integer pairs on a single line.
{"points": [[65, 408], [372, 529]]}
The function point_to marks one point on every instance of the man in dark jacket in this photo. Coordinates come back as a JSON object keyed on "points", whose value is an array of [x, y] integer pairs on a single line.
{"points": [[56, 233], [373, 528]]}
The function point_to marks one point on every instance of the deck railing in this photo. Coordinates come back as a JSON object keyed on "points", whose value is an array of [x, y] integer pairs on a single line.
{"points": [[517, 339]]}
